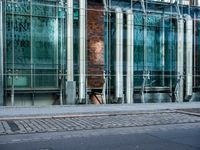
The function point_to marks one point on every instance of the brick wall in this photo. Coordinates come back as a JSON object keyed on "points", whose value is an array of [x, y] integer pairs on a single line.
{"points": [[95, 18]]}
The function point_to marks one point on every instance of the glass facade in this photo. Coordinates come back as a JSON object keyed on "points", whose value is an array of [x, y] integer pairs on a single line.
{"points": [[35, 37]]}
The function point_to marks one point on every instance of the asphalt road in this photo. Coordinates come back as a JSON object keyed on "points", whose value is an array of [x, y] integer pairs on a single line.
{"points": [[160, 137]]}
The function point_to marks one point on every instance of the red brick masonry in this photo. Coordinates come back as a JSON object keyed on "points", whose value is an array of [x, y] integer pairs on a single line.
{"points": [[95, 44]]}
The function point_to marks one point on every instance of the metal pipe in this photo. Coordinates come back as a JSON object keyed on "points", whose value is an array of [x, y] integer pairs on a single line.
{"points": [[130, 57], [1, 53], [70, 47], [119, 55], [145, 44], [82, 51], [61, 54], [189, 55], [32, 67], [163, 51], [13, 59], [145, 67], [180, 59], [195, 46]]}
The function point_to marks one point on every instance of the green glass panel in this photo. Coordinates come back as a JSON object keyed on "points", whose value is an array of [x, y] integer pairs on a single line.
{"points": [[138, 49], [43, 8], [18, 50], [18, 7], [44, 50]]}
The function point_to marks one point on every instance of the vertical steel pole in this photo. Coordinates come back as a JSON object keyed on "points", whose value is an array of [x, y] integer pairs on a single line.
{"points": [[59, 73], [180, 60], [13, 58], [130, 57], [31, 49], [119, 55], [56, 42], [189, 55], [163, 51], [194, 49], [82, 51], [145, 43], [70, 47], [145, 67], [1, 54]]}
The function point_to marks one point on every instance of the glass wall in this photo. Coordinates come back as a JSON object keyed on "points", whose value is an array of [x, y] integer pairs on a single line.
{"points": [[35, 46], [35, 50], [197, 53]]}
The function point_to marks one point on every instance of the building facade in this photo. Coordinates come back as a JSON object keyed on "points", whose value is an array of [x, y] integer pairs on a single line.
{"points": [[63, 52]]}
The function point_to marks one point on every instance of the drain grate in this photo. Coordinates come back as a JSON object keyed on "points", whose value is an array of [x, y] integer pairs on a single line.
{"points": [[13, 126]]}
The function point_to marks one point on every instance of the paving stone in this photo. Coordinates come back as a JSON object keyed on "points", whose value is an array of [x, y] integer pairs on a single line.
{"points": [[81, 123], [22, 129], [2, 130], [7, 127]]}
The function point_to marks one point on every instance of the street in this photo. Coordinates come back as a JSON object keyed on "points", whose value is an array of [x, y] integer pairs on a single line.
{"points": [[160, 137]]}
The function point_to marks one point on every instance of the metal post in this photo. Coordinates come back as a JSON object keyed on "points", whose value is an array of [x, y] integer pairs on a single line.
{"points": [[61, 54], [1, 53], [145, 43], [119, 55], [70, 85], [31, 51], [163, 51], [180, 59], [82, 50], [189, 56], [145, 67], [13, 59], [130, 57], [70, 48]]}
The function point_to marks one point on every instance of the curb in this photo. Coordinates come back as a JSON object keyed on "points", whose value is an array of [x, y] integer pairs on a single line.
{"points": [[84, 115]]}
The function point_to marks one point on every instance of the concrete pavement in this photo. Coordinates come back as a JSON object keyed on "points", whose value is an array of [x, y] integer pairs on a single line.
{"points": [[62, 124], [75, 110], [160, 137]]}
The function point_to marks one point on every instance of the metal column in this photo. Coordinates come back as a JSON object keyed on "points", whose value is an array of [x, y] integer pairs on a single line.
{"points": [[1, 53], [61, 51], [70, 84], [119, 56], [180, 60], [13, 60], [82, 51], [189, 56], [163, 51], [145, 67], [70, 48], [130, 57]]}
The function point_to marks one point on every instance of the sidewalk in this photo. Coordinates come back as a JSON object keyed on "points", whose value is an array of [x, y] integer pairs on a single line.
{"points": [[91, 110], [26, 120]]}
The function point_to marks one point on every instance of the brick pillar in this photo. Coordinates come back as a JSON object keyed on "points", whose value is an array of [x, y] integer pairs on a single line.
{"points": [[95, 27]]}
